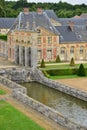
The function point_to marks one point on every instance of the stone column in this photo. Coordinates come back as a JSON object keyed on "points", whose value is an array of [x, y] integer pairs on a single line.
{"points": [[16, 54], [34, 58], [26, 56], [21, 60], [77, 54]]}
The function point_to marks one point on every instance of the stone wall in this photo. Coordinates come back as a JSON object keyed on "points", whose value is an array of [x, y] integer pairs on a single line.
{"points": [[20, 93], [3, 48], [47, 111], [38, 76], [12, 85]]}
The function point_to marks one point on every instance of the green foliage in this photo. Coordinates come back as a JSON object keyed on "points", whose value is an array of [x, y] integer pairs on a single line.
{"points": [[42, 64], [2, 92], [3, 37], [72, 63], [46, 74], [12, 119], [81, 71], [60, 72], [58, 59], [62, 9]]}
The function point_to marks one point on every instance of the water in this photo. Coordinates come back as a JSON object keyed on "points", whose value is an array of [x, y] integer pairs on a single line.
{"points": [[71, 107]]}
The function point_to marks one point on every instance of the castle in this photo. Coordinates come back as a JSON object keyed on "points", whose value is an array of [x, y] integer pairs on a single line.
{"points": [[42, 35]]}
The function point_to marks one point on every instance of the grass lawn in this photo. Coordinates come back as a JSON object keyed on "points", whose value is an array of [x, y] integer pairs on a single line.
{"points": [[62, 66], [12, 119], [2, 92], [62, 71], [64, 77]]}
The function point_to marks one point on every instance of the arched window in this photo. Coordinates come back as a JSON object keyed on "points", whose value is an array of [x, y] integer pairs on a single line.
{"points": [[72, 50], [81, 49], [62, 50]]}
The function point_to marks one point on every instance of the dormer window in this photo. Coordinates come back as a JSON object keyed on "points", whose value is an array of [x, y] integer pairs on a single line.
{"points": [[38, 31]]}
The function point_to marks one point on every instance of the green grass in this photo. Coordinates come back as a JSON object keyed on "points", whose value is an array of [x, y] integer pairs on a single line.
{"points": [[2, 92], [62, 71], [62, 66], [64, 77], [3, 37], [12, 119]]}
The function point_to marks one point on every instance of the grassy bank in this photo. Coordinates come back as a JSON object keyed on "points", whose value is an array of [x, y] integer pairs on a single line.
{"points": [[2, 92], [12, 119]]}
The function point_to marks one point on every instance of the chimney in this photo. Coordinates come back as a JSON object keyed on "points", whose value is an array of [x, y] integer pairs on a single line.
{"points": [[39, 10], [26, 10], [71, 25]]}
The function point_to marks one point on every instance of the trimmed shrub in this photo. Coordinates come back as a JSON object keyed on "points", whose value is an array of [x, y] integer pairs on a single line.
{"points": [[42, 64], [3, 37], [72, 63], [58, 59], [60, 72], [81, 71]]}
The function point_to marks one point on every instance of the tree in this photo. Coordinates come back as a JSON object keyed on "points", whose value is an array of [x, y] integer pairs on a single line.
{"points": [[58, 59], [72, 63], [42, 64], [81, 71], [2, 8]]}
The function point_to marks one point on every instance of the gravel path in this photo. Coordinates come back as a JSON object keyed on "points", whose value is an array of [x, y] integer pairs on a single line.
{"points": [[79, 83]]}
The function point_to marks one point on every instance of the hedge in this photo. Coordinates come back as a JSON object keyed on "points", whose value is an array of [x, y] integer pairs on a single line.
{"points": [[60, 72], [3, 37]]}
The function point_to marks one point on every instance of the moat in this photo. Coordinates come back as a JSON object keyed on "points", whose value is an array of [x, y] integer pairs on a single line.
{"points": [[70, 107]]}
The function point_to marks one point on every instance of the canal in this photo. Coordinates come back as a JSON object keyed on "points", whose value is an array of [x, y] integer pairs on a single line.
{"points": [[71, 107]]}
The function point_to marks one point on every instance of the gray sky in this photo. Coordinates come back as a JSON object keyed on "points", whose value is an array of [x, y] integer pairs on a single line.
{"points": [[56, 1]]}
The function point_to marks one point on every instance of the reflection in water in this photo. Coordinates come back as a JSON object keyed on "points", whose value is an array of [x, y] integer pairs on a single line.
{"points": [[69, 106]]}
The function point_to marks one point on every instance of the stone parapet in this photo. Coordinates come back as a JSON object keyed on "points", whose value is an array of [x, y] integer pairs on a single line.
{"points": [[12, 85], [47, 111]]}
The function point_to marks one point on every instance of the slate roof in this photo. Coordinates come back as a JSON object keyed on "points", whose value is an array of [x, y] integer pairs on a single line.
{"points": [[6, 22], [33, 20], [77, 21], [83, 15], [79, 34], [51, 14]]}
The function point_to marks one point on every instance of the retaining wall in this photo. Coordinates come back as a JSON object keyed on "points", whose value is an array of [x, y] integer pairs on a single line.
{"points": [[47, 111], [38, 76], [12, 85], [20, 93]]}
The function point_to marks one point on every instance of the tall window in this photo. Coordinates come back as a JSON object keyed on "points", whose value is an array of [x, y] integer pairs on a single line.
{"points": [[49, 40], [39, 40], [81, 50], [49, 54], [63, 50], [72, 50]]}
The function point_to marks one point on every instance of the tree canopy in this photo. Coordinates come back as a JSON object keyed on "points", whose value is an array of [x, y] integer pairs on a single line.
{"points": [[62, 9]]}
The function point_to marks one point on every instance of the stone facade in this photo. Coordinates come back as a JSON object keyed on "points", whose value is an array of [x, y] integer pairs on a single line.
{"points": [[3, 48], [76, 50], [44, 45]]}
